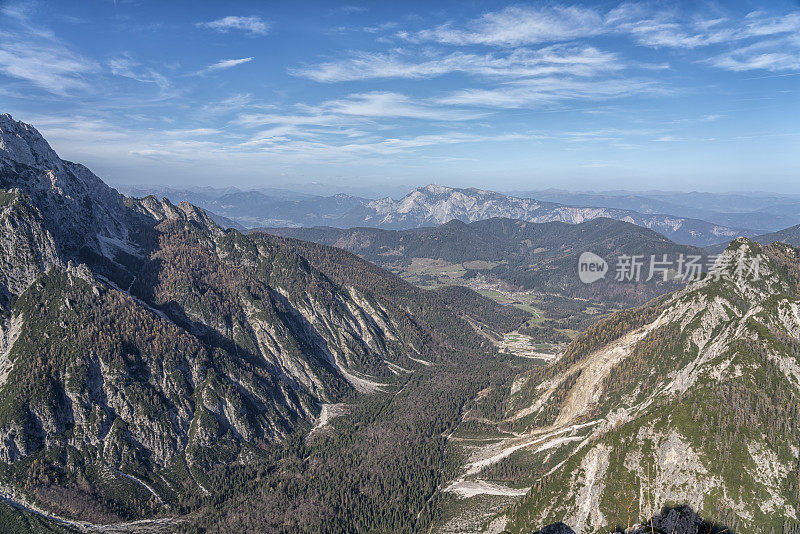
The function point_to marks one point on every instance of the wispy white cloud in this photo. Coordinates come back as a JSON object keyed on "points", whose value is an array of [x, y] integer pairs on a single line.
{"points": [[547, 91], [128, 67], [34, 54], [358, 123], [667, 29], [522, 62], [358, 108], [48, 65], [517, 25], [709, 117], [389, 105], [192, 132], [256, 120], [352, 9], [606, 134], [379, 28], [18, 11], [252, 25], [297, 139], [224, 64], [647, 24], [235, 102], [759, 24], [375, 146], [773, 55], [398, 145]]}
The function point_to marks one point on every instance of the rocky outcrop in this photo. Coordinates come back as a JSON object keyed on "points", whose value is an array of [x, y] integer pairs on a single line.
{"points": [[83, 214], [26, 248]]}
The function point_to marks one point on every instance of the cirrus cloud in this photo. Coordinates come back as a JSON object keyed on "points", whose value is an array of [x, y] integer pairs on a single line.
{"points": [[224, 64], [573, 60], [251, 25], [517, 25]]}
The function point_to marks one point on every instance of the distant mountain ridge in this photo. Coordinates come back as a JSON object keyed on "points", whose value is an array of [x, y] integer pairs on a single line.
{"points": [[790, 236], [763, 211], [433, 205], [267, 207]]}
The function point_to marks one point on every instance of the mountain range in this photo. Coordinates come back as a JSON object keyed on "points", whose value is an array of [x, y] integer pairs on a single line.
{"points": [[269, 207], [434, 205], [765, 211], [161, 373]]}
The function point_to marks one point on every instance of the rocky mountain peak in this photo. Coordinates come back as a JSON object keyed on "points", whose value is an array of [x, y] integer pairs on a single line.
{"points": [[437, 189], [23, 143], [87, 220], [165, 210], [747, 266]]}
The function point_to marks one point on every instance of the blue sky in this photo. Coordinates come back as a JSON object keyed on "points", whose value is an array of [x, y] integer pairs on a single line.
{"points": [[602, 95]]}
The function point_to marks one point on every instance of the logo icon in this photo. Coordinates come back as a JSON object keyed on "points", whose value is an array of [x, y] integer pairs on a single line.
{"points": [[591, 267]]}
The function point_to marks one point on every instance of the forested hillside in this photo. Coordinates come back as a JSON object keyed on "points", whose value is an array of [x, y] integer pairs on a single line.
{"points": [[790, 236], [690, 400], [517, 254]]}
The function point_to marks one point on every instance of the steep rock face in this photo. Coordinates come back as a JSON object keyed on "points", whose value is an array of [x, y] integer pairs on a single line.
{"points": [[27, 248], [269, 301], [690, 401], [22, 143], [87, 218]]}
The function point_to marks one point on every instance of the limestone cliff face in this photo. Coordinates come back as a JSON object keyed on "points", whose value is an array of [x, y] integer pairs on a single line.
{"points": [[28, 249], [83, 214]]}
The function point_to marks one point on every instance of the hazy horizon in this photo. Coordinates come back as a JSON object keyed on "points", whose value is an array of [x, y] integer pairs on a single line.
{"points": [[400, 190]]}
